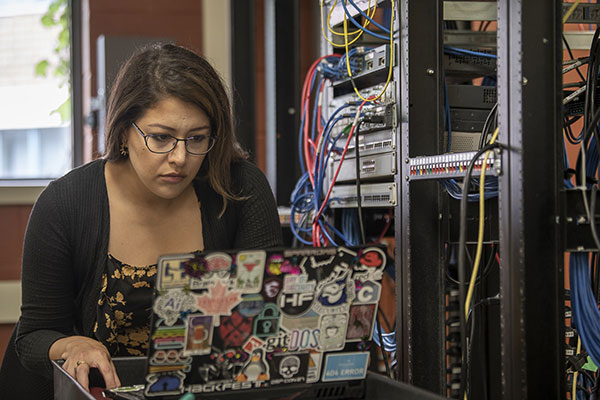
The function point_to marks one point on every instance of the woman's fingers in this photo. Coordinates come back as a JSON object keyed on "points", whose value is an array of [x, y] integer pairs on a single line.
{"points": [[109, 373], [81, 354], [82, 371]]}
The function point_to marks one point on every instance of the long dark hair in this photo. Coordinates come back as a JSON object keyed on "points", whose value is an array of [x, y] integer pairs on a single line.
{"points": [[162, 70]]}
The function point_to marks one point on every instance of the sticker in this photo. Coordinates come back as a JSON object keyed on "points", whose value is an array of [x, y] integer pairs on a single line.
{"points": [[251, 305], [218, 300], [164, 383], [295, 304], [221, 386], [255, 369], [371, 265], [277, 343], [345, 366], [198, 335], [372, 257], [252, 343], [332, 331], [218, 266], [171, 273], [222, 366], [303, 339], [289, 368], [169, 337], [172, 356], [267, 322], [250, 268], [277, 265], [314, 367], [298, 284], [367, 292], [170, 305], [196, 267], [274, 263], [335, 296], [234, 330], [271, 288], [330, 267], [306, 321], [169, 360], [360, 324]]}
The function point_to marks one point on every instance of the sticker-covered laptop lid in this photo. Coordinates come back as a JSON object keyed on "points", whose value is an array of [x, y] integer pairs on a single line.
{"points": [[227, 321]]}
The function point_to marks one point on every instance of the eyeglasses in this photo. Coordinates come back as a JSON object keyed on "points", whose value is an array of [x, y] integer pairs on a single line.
{"points": [[163, 143]]}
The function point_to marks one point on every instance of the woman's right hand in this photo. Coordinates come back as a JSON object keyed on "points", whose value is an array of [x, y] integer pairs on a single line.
{"points": [[82, 353]]}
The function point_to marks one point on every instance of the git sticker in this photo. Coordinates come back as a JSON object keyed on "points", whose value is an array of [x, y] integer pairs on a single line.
{"points": [[170, 305], [250, 268], [347, 366]]}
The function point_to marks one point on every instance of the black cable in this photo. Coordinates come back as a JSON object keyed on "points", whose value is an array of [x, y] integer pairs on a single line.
{"points": [[461, 259], [358, 193], [571, 54], [592, 216], [381, 342]]}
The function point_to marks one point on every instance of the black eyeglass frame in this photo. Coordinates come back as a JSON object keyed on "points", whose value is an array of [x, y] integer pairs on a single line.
{"points": [[177, 140]]}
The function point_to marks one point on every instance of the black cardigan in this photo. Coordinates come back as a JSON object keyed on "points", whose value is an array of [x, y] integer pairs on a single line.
{"points": [[66, 244]]}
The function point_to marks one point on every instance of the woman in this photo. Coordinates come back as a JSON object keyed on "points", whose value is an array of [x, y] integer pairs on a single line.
{"points": [[173, 180]]}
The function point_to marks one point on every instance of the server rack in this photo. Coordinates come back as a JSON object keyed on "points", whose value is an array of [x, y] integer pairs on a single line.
{"points": [[525, 344], [530, 280]]}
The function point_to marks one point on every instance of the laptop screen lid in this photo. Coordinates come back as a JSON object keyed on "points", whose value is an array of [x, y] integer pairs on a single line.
{"points": [[256, 319]]}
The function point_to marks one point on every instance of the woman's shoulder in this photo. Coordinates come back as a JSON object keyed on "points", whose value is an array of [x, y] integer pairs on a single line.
{"points": [[247, 176], [84, 180], [244, 169]]}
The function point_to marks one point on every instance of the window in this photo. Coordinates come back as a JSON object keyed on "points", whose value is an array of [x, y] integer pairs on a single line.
{"points": [[35, 114]]}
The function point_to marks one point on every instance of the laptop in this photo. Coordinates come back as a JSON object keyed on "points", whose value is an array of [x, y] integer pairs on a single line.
{"points": [[272, 321]]}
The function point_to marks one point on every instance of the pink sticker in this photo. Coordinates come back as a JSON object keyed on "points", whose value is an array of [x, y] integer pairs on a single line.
{"points": [[218, 300]]}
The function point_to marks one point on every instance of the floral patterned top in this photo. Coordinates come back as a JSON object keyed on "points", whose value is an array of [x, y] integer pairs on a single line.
{"points": [[125, 308]]}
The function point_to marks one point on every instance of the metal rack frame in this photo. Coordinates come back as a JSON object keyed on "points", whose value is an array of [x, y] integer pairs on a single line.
{"points": [[531, 274]]}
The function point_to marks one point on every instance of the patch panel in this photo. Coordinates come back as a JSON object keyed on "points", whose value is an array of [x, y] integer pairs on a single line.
{"points": [[452, 165], [372, 195]]}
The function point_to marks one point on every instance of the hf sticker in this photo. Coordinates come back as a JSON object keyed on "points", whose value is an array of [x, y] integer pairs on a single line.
{"points": [[360, 325], [198, 335], [255, 369], [332, 330], [289, 367], [172, 273], [345, 366], [250, 268], [170, 305], [218, 300]]}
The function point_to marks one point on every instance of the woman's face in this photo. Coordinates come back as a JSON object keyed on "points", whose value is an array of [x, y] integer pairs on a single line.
{"points": [[167, 175]]}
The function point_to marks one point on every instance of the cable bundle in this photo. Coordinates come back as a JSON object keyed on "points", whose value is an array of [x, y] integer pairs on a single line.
{"points": [[586, 315]]}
